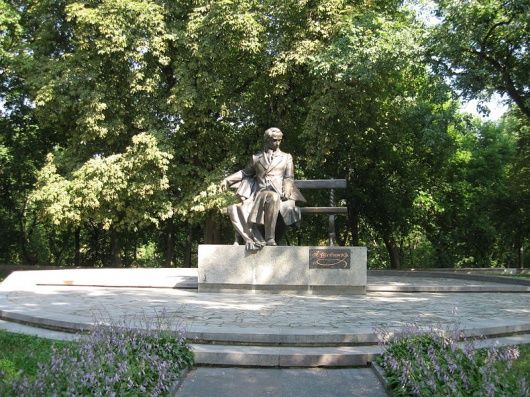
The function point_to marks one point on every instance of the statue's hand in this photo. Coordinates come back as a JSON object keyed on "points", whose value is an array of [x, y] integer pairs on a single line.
{"points": [[251, 246], [287, 189]]}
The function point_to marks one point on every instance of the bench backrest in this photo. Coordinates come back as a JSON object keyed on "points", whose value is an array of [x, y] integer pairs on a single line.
{"points": [[331, 210], [321, 183]]}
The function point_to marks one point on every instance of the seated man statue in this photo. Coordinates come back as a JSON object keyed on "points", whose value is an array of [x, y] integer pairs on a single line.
{"points": [[266, 189]]}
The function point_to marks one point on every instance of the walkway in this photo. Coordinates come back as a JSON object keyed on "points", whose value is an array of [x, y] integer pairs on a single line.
{"points": [[267, 330], [53, 299], [274, 382]]}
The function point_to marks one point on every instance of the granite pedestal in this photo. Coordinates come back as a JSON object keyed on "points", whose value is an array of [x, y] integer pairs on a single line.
{"points": [[282, 269]]}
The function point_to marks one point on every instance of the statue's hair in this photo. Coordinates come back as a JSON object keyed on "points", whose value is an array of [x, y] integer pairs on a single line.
{"points": [[270, 132]]}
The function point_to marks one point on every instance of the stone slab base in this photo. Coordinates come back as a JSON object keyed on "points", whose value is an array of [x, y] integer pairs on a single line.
{"points": [[307, 270]]}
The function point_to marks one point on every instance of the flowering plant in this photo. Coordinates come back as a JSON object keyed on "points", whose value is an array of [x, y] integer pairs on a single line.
{"points": [[429, 362], [125, 358]]}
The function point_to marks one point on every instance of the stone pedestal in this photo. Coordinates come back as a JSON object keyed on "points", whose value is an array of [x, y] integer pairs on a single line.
{"points": [[311, 270]]}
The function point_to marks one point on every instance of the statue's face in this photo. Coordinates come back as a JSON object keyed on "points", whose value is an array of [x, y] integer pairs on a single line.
{"points": [[273, 142]]}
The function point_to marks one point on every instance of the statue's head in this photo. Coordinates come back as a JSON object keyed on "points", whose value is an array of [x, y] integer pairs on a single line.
{"points": [[272, 137]]}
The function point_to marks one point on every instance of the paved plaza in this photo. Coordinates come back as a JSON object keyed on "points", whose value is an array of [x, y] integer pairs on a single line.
{"points": [[63, 305], [267, 330]]}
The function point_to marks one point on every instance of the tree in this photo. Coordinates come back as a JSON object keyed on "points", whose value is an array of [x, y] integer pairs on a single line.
{"points": [[23, 146], [241, 68], [96, 76], [482, 46], [378, 117], [515, 222], [478, 222], [133, 111]]}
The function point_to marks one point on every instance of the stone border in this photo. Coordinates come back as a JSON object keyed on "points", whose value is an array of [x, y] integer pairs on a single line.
{"points": [[283, 289], [256, 337], [380, 374], [449, 289], [449, 274]]}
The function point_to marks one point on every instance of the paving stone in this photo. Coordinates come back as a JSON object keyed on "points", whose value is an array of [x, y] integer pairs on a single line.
{"points": [[268, 318], [271, 320], [298, 330], [244, 382]]}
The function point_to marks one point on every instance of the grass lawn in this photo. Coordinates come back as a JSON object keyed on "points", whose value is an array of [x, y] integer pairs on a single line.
{"points": [[522, 365], [23, 353]]}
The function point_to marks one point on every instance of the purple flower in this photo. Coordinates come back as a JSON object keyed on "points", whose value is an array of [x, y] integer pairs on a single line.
{"points": [[101, 365]]}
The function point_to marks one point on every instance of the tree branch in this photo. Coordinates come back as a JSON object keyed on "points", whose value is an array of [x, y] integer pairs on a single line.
{"points": [[508, 84]]}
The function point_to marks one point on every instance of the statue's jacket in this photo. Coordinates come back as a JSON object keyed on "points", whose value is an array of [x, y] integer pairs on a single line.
{"points": [[276, 174]]}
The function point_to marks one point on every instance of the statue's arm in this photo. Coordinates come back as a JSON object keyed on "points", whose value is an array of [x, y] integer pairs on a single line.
{"points": [[234, 178], [288, 178], [238, 176]]}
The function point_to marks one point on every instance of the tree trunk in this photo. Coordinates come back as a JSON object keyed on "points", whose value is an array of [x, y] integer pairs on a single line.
{"points": [[189, 245], [77, 246], [520, 253], [393, 251], [212, 233], [115, 244], [24, 236], [169, 249], [95, 255]]}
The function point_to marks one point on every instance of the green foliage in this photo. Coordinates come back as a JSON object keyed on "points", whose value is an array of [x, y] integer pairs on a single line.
{"points": [[483, 46], [124, 191], [147, 255], [518, 173], [378, 118], [114, 359], [120, 118], [521, 365], [477, 200]]}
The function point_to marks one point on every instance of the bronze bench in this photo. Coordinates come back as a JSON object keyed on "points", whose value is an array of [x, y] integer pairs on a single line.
{"points": [[332, 210]]}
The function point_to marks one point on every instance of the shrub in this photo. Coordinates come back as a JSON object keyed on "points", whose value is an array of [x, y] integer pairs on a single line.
{"points": [[113, 360], [420, 362]]}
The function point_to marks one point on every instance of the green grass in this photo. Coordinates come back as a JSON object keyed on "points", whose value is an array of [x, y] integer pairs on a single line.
{"points": [[23, 353], [521, 366]]}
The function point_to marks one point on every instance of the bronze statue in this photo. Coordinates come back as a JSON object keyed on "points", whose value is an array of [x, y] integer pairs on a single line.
{"points": [[266, 189]]}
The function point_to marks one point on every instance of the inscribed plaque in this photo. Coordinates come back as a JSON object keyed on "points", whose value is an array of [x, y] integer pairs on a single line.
{"points": [[329, 258]]}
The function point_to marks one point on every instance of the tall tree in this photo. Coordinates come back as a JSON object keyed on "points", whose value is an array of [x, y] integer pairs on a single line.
{"points": [[516, 221], [482, 46], [378, 117], [96, 76], [23, 144], [475, 224]]}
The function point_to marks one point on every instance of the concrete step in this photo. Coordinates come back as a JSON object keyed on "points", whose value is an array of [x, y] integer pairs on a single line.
{"points": [[267, 336], [186, 278], [443, 289], [313, 338], [279, 356], [309, 357], [275, 356], [24, 329], [244, 355]]}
